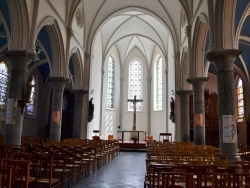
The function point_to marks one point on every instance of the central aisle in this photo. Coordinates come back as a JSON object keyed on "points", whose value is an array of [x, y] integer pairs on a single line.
{"points": [[126, 170]]}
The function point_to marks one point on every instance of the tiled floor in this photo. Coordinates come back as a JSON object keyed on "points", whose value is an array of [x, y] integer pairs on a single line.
{"points": [[127, 170]]}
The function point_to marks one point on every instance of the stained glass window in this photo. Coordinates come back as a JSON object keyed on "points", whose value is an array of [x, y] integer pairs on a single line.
{"points": [[159, 84], [110, 91], [240, 99], [135, 83], [4, 78], [32, 83]]}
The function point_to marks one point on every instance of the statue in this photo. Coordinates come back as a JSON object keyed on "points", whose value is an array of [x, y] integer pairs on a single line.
{"points": [[172, 106], [91, 107], [172, 114]]}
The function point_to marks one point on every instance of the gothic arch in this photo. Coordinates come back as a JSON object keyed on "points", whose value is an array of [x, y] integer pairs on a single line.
{"points": [[228, 24], [78, 68], [20, 30], [59, 66], [200, 30], [184, 69], [3, 21]]}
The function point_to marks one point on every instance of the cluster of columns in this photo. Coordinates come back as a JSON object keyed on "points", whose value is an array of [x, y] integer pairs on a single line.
{"points": [[18, 62], [223, 60]]}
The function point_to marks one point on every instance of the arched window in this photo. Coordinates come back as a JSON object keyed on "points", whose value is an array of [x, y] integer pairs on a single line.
{"points": [[158, 85], [240, 99], [4, 79], [135, 83], [110, 91], [32, 89]]}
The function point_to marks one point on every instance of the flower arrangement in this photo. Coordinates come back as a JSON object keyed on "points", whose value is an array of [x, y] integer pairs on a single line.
{"points": [[134, 136]]}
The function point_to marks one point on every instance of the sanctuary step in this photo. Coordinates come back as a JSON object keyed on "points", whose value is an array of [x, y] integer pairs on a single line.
{"points": [[128, 145]]}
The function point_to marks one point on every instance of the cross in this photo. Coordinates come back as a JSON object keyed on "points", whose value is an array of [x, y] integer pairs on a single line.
{"points": [[134, 101]]}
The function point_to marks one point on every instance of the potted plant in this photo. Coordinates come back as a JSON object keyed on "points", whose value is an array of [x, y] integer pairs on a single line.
{"points": [[134, 137]]}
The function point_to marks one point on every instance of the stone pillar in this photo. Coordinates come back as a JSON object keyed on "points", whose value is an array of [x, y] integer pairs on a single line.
{"points": [[77, 127], [185, 123], [224, 61], [56, 107], [19, 62], [85, 114], [198, 109]]}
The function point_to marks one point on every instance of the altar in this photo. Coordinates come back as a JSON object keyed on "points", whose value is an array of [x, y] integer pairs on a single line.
{"points": [[120, 133]]}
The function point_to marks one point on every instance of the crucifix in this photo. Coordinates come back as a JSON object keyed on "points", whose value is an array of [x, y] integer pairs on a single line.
{"points": [[134, 101]]}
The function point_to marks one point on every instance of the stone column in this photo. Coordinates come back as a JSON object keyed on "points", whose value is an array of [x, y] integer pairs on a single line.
{"points": [[85, 114], [77, 127], [185, 123], [198, 109], [56, 107], [19, 62], [224, 61]]}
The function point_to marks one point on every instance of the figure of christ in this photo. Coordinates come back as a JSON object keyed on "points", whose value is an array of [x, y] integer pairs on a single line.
{"points": [[134, 101]]}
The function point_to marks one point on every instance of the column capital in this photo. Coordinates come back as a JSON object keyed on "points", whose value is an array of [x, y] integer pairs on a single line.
{"points": [[223, 59], [194, 80], [79, 94], [59, 82], [184, 92], [19, 59], [218, 54], [18, 53]]}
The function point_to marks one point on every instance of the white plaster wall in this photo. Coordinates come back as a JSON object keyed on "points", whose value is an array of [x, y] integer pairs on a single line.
{"points": [[158, 118], [95, 84], [110, 117], [170, 91]]}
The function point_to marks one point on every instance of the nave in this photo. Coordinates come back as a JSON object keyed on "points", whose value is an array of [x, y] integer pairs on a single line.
{"points": [[127, 170]]}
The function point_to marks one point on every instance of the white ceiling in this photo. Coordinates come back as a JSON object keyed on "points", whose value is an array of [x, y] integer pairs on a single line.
{"points": [[145, 24]]}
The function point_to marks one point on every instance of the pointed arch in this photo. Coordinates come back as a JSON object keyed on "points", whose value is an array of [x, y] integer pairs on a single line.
{"points": [[200, 30], [78, 68], [59, 67], [20, 26]]}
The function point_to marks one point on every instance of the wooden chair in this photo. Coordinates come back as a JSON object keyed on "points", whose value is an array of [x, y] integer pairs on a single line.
{"points": [[6, 176], [43, 168], [230, 170], [21, 156], [241, 180], [154, 178], [177, 179], [61, 171], [21, 173]]}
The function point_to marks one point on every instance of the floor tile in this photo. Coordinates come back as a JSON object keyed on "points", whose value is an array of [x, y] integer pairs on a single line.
{"points": [[127, 170]]}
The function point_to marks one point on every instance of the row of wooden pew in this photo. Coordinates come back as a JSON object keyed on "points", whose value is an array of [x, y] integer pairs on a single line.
{"points": [[58, 164]]}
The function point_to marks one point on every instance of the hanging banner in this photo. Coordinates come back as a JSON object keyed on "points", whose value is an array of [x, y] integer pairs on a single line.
{"points": [[56, 117], [198, 120], [229, 129], [11, 111]]}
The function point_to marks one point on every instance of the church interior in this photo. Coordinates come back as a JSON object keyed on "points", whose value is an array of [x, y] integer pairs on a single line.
{"points": [[133, 71]]}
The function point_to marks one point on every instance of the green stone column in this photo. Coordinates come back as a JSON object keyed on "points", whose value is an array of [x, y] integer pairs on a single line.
{"points": [[224, 61], [199, 109], [56, 107], [77, 127], [185, 123], [19, 61]]}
